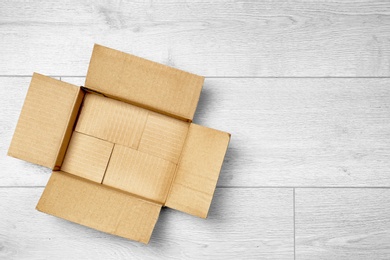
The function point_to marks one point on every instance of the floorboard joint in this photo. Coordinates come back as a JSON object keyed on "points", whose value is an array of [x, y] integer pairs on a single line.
{"points": [[230, 77], [294, 219]]}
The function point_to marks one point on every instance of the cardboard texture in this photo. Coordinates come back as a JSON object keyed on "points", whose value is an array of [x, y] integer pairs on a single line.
{"points": [[143, 82], [112, 120], [123, 146], [98, 206], [45, 123], [87, 157], [198, 170], [139, 173]]}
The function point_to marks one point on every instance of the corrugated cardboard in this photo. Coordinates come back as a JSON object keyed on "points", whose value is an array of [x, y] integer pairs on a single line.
{"points": [[144, 83], [198, 170], [139, 173], [163, 137], [98, 206], [46, 121], [112, 120], [133, 147], [87, 157]]}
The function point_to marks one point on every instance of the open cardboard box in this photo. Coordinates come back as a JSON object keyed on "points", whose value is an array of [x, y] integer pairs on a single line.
{"points": [[121, 147]]}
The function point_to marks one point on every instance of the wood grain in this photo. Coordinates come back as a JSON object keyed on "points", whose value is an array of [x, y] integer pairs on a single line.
{"points": [[210, 38], [285, 132], [305, 131], [239, 226], [342, 223], [300, 132]]}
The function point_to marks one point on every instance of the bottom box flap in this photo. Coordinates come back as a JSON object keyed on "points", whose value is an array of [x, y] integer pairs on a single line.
{"points": [[100, 207], [198, 170]]}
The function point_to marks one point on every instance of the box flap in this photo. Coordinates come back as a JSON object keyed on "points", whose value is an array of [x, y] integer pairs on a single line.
{"points": [[163, 137], [87, 157], [112, 120], [46, 121], [198, 170], [144, 83], [100, 207], [139, 173]]}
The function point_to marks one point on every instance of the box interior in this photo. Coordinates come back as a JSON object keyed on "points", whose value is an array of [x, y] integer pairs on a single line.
{"points": [[126, 147]]}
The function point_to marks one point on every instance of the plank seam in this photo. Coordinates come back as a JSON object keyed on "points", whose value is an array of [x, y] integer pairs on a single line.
{"points": [[294, 219], [233, 77], [237, 187], [305, 187]]}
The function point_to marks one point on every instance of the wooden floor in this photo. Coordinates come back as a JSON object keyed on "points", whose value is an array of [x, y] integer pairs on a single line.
{"points": [[304, 88]]}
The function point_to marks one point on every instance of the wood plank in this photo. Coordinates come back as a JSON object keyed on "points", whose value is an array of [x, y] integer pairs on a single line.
{"points": [[300, 132], [249, 223], [285, 132], [342, 223], [210, 38]]}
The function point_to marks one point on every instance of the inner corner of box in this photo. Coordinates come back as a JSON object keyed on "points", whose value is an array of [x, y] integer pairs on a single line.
{"points": [[125, 147]]}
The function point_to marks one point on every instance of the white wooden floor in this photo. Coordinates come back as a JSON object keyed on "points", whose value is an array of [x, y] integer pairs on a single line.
{"points": [[304, 88]]}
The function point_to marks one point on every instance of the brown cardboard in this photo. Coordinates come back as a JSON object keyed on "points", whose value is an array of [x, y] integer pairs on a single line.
{"points": [[139, 173], [131, 126], [144, 83], [87, 157], [98, 206], [133, 148], [163, 137], [112, 120], [198, 170], [46, 121]]}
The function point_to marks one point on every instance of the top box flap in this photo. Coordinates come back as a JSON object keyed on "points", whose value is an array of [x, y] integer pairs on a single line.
{"points": [[144, 83], [198, 170], [45, 123]]}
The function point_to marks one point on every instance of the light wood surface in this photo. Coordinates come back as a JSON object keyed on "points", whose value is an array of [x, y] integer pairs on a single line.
{"points": [[210, 38], [229, 231], [342, 223], [285, 132], [303, 87]]}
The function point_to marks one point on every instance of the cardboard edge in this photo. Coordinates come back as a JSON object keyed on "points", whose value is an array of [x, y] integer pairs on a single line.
{"points": [[176, 168], [219, 174], [220, 170], [181, 118], [72, 118], [197, 99]]}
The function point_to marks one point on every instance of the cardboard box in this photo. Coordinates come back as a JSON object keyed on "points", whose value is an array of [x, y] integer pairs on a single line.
{"points": [[121, 147]]}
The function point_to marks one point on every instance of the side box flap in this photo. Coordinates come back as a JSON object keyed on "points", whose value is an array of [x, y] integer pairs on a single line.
{"points": [[198, 170], [144, 83], [98, 206], [46, 121]]}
